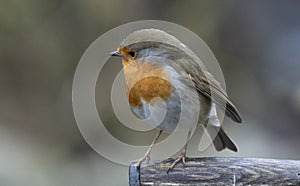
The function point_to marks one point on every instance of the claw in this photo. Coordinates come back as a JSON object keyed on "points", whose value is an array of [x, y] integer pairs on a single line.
{"points": [[181, 157], [147, 154], [141, 160]]}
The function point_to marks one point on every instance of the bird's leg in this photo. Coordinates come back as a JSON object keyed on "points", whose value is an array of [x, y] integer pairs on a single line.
{"points": [[147, 154], [182, 155]]}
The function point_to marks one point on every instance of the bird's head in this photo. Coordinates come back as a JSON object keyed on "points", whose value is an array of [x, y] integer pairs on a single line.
{"points": [[150, 43]]}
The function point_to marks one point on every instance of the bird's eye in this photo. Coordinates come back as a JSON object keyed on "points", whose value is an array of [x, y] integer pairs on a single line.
{"points": [[132, 53]]}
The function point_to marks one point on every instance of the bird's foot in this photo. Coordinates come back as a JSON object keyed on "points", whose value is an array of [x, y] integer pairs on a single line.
{"points": [[181, 157], [138, 162], [147, 154]]}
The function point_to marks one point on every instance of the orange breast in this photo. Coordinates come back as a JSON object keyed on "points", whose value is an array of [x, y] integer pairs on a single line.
{"points": [[146, 81], [149, 88]]}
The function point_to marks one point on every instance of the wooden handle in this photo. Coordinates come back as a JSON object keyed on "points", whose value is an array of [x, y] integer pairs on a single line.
{"points": [[217, 171]]}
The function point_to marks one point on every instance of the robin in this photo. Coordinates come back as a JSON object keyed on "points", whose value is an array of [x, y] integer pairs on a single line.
{"points": [[156, 64]]}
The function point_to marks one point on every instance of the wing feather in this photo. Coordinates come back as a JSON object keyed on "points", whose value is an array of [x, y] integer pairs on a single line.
{"points": [[205, 84], [214, 92]]}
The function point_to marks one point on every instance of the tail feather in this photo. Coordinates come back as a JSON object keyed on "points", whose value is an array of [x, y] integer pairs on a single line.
{"points": [[220, 139]]}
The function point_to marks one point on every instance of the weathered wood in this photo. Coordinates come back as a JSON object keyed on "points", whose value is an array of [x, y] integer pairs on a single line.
{"points": [[218, 171]]}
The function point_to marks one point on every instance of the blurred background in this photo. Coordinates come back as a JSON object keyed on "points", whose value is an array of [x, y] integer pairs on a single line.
{"points": [[257, 44]]}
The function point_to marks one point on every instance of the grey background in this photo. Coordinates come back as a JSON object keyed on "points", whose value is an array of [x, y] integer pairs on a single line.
{"points": [[256, 43]]}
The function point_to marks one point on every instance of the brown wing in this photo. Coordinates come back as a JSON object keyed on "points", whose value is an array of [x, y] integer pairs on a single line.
{"points": [[205, 84], [212, 90]]}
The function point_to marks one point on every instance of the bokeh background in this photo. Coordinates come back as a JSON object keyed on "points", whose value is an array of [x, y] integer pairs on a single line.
{"points": [[257, 44]]}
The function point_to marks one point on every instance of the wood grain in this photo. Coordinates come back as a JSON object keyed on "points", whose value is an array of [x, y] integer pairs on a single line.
{"points": [[218, 171]]}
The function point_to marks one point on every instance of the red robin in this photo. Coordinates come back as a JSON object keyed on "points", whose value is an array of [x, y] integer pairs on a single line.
{"points": [[156, 64]]}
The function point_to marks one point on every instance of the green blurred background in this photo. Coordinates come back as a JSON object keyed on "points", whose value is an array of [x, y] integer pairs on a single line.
{"points": [[257, 44]]}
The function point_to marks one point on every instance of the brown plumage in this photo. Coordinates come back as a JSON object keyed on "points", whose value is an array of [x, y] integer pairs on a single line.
{"points": [[173, 66]]}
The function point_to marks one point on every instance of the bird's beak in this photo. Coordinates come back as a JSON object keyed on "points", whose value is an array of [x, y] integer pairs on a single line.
{"points": [[115, 53]]}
